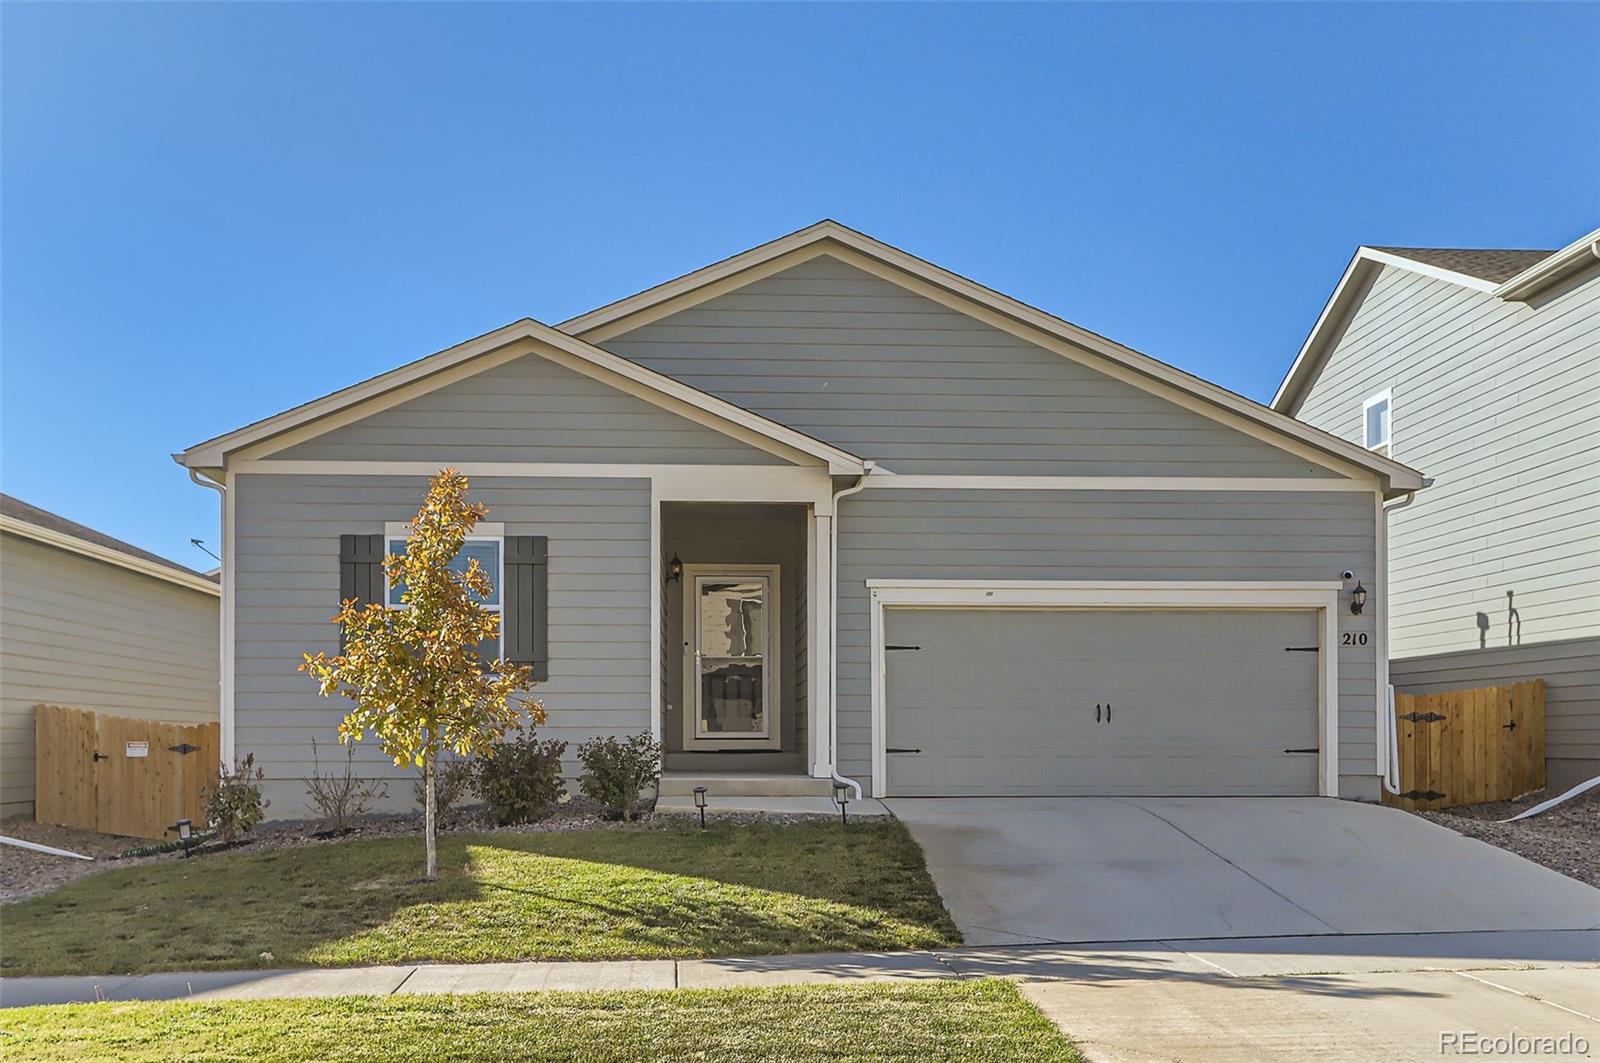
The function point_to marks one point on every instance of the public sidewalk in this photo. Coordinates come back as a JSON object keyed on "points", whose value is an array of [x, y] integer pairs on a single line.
{"points": [[1237, 961]]}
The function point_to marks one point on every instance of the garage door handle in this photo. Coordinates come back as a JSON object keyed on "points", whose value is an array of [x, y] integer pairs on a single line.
{"points": [[901, 749], [1108, 712], [1097, 712]]}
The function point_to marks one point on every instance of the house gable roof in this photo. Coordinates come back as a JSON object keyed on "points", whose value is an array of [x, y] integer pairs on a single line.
{"points": [[31, 522], [1504, 274], [515, 340], [891, 263]]}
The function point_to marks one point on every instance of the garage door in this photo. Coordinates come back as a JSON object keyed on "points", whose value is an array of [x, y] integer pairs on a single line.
{"points": [[1005, 702]]}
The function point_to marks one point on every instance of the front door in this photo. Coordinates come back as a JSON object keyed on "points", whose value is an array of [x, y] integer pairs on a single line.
{"points": [[730, 627]]}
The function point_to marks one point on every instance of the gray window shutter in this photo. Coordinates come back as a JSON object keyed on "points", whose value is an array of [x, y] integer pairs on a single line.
{"points": [[527, 603], [361, 571]]}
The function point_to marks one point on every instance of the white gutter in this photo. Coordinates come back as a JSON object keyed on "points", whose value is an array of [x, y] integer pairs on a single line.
{"points": [[1391, 736], [1569, 259], [833, 629]]}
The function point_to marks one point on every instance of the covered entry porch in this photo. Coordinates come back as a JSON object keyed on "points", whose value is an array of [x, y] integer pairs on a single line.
{"points": [[741, 624]]}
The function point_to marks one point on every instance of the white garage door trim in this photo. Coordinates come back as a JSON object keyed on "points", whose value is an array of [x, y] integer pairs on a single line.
{"points": [[1120, 594]]}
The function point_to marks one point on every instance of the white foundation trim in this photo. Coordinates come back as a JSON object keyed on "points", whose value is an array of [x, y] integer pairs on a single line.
{"points": [[1322, 596]]}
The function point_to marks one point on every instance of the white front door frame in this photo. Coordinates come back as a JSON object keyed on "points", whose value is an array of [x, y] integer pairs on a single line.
{"points": [[1322, 596], [771, 663]]}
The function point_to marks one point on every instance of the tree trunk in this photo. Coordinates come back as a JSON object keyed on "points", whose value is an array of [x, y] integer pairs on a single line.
{"points": [[430, 806]]}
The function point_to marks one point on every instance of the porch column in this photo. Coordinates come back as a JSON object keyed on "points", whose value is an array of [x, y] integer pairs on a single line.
{"points": [[819, 638]]}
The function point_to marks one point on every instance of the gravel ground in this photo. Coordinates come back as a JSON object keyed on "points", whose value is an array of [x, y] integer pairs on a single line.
{"points": [[1564, 839], [26, 874]]}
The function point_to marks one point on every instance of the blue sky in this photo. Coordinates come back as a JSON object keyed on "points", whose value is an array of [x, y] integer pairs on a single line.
{"points": [[214, 212]]}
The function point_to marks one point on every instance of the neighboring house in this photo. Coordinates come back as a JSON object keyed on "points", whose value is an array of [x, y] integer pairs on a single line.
{"points": [[1483, 368], [91, 622], [1060, 567]]}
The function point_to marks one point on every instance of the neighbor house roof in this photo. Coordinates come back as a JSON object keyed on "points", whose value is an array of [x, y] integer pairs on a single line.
{"points": [[1484, 263], [1513, 275], [29, 521], [577, 338]]}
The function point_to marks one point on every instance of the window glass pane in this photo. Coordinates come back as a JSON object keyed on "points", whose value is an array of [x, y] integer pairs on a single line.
{"points": [[487, 552], [733, 618], [730, 698], [1378, 423]]}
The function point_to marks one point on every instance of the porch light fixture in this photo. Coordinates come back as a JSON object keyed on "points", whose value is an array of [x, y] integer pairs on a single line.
{"points": [[841, 797], [674, 569], [700, 803], [1358, 599]]}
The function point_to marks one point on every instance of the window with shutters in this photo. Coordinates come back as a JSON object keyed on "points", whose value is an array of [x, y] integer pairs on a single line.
{"points": [[489, 552]]}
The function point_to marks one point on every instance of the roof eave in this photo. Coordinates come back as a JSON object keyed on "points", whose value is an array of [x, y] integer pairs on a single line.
{"points": [[1579, 254]]}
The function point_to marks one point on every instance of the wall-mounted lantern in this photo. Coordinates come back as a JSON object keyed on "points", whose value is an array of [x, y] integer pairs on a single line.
{"points": [[1358, 599], [674, 569], [700, 803]]}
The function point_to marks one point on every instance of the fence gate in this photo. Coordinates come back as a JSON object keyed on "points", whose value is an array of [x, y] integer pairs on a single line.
{"points": [[119, 775], [1465, 747]]}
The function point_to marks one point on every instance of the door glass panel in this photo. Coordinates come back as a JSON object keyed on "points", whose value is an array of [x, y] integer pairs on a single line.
{"points": [[733, 651]]}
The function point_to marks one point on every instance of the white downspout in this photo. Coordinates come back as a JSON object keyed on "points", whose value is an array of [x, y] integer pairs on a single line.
{"points": [[1391, 766], [833, 630], [224, 703]]}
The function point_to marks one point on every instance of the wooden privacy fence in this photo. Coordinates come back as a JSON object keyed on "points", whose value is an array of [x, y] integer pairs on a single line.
{"points": [[1465, 747], [119, 775]]}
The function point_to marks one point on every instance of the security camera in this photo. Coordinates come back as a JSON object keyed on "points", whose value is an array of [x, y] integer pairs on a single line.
{"points": [[1349, 575]]}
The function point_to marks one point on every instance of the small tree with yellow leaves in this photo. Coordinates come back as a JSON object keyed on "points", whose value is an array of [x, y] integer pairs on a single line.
{"points": [[415, 673]]}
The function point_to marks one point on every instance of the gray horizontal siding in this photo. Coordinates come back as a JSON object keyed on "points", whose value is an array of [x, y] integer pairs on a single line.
{"points": [[921, 388], [1004, 535], [80, 632], [287, 578], [1571, 671], [1500, 403], [530, 409]]}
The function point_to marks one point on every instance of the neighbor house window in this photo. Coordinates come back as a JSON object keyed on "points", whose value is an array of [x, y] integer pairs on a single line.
{"points": [[488, 551], [1377, 418]]}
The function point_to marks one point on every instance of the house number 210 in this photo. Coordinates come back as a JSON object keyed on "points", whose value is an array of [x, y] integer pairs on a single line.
{"points": [[1355, 638]]}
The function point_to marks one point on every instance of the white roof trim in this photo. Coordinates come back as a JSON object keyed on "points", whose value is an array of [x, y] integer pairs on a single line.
{"points": [[429, 373], [1575, 256], [61, 540], [611, 319]]}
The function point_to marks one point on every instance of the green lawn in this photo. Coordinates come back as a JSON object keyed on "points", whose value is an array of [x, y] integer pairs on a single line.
{"points": [[661, 889], [970, 1022]]}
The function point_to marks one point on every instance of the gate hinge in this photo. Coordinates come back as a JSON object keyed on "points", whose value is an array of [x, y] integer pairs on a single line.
{"points": [[1422, 795], [1424, 717], [183, 747]]}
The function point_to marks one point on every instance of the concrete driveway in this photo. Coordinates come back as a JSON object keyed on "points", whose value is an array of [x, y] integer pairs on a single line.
{"points": [[1304, 929], [1080, 869]]}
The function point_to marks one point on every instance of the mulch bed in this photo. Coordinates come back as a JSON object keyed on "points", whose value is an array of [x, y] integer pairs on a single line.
{"points": [[1564, 839], [25, 874]]}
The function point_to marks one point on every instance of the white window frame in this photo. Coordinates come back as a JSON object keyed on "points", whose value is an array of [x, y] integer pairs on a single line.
{"points": [[1386, 398], [485, 532]]}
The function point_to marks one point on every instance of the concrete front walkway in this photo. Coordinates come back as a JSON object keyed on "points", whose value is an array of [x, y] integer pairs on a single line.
{"points": [[1020, 870]]}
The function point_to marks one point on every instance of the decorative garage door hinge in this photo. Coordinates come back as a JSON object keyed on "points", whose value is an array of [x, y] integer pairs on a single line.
{"points": [[902, 647], [1424, 717], [1422, 795], [1301, 649]]}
